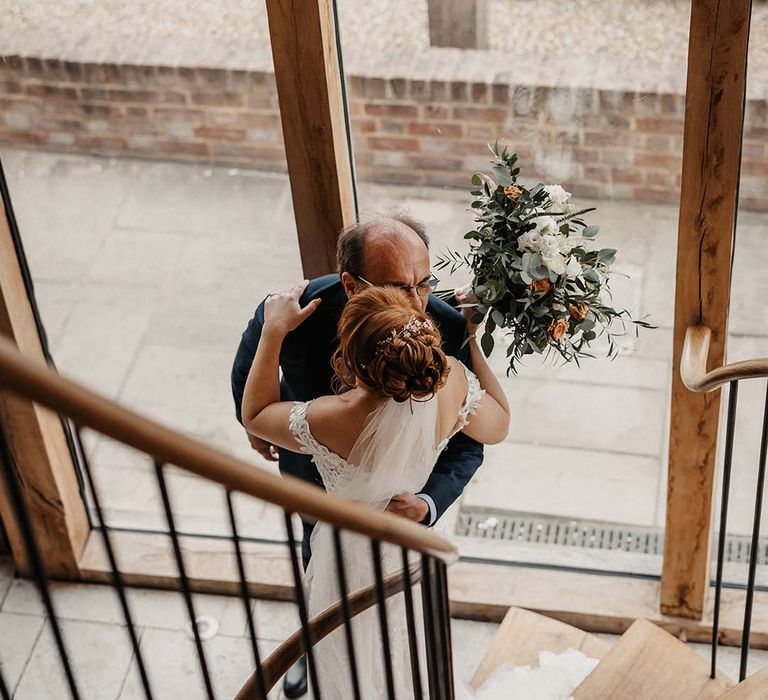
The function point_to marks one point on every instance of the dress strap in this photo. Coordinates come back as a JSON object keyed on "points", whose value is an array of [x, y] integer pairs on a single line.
{"points": [[475, 394]]}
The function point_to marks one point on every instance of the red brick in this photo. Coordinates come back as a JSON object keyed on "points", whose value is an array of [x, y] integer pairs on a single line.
{"points": [[441, 178], [436, 112], [24, 137], [500, 94], [398, 87], [753, 151], [659, 179], [657, 161], [127, 95], [459, 91], [479, 114], [355, 86], [390, 110], [434, 163], [90, 110], [391, 127], [585, 155], [607, 138], [220, 133], [660, 144], [382, 143], [444, 129], [52, 92], [440, 91], [479, 92], [672, 104], [363, 126], [660, 126], [375, 87], [102, 144], [420, 90], [629, 176], [756, 168], [213, 77], [11, 87], [218, 99], [579, 189], [176, 114], [597, 174], [90, 93]]}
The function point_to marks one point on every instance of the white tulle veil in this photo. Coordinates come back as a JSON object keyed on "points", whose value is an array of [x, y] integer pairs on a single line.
{"points": [[395, 452]]}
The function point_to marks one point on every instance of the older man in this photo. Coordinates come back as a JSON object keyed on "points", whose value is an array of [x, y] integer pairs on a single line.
{"points": [[383, 251]]}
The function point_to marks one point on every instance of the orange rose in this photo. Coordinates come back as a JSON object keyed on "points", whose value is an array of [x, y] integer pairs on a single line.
{"points": [[578, 311], [513, 192], [542, 286], [558, 328]]}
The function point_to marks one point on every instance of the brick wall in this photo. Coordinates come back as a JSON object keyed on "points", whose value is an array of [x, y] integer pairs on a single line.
{"points": [[598, 143]]}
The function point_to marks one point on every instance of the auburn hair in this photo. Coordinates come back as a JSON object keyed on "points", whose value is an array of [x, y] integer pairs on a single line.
{"points": [[376, 350]]}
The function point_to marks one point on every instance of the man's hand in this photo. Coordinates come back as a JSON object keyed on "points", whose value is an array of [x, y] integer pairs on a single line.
{"points": [[410, 506], [265, 449]]}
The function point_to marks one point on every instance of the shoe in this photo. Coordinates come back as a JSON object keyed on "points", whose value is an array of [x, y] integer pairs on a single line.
{"points": [[295, 681]]}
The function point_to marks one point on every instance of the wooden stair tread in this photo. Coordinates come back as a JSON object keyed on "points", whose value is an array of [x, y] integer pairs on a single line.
{"points": [[753, 688], [647, 662], [523, 634]]}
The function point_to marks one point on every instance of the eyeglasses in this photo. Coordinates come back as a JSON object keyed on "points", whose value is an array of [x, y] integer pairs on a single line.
{"points": [[423, 289]]}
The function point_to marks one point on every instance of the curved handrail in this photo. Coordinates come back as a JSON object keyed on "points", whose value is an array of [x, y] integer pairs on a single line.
{"points": [[320, 626], [693, 364], [37, 382]]}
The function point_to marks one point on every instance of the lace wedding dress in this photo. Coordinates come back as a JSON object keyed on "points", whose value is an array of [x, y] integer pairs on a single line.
{"points": [[395, 453]]}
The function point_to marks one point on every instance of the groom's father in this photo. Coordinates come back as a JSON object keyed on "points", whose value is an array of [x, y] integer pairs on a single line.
{"points": [[385, 251], [391, 251]]}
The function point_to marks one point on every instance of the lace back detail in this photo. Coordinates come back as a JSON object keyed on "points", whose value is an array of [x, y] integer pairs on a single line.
{"points": [[474, 395], [334, 470]]}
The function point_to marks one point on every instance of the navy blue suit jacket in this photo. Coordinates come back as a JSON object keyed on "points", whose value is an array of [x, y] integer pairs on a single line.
{"points": [[305, 359]]}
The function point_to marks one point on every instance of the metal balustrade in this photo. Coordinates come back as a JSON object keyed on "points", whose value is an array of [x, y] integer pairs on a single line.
{"points": [[696, 378], [163, 447]]}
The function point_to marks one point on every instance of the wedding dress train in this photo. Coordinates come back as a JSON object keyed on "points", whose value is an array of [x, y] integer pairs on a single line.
{"points": [[395, 453]]}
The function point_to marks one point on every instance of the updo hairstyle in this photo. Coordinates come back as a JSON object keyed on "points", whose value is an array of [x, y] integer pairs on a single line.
{"points": [[392, 348]]}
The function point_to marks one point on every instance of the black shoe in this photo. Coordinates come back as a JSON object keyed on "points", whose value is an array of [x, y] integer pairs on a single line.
{"points": [[295, 681]]}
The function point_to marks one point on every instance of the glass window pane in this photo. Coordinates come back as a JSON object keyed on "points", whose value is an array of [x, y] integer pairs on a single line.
{"points": [[581, 479]]}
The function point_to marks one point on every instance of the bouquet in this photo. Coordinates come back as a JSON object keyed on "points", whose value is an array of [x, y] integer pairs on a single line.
{"points": [[535, 272]]}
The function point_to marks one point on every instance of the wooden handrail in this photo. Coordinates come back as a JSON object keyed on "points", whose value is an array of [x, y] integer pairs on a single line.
{"points": [[693, 364], [320, 626], [37, 382]]}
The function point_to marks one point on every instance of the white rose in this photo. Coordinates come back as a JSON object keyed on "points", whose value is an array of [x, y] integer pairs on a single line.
{"points": [[555, 262], [557, 195], [548, 245], [546, 225], [529, 241], [564, 245], [573, 268]]}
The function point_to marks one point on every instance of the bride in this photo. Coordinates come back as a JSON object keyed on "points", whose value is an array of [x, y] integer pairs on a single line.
{"points": [[400, 400]]}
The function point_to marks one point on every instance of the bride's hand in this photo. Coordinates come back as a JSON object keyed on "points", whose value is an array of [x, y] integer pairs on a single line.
{"points": [[282, 312], [467, 300]]}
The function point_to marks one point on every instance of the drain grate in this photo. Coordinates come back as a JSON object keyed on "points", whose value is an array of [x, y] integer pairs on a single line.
{"points": [[585, 534]]}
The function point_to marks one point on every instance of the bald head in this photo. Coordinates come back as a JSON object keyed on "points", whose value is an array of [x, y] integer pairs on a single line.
{"points": [[386, 250]]}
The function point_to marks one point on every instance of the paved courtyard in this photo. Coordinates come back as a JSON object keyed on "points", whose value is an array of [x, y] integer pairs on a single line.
{"points": [[147, 272]]}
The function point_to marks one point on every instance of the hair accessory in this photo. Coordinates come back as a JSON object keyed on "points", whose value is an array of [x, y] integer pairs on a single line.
{"points": [[413, 327]]}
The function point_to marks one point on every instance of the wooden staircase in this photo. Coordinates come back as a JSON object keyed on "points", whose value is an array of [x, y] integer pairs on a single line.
{"points": [[647, 663]]}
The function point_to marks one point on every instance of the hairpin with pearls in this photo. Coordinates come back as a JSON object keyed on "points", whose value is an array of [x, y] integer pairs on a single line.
{"points": [[413, 327]]}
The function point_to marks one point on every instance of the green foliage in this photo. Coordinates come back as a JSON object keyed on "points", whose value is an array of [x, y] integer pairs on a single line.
{"points": [[522, 288]]}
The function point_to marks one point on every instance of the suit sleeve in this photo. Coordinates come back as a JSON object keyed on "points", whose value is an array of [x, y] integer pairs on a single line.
{"points": [[244, 358], [454, 468]]}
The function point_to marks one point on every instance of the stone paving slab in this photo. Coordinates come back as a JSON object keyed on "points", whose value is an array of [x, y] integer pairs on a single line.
{"points": [[148, 300]]}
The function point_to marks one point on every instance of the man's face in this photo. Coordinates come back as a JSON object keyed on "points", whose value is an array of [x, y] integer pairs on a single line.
{"points": [[398, 258]]}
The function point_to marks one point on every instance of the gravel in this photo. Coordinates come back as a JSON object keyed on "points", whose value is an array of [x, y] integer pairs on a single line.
{"points": [[612, 44]]}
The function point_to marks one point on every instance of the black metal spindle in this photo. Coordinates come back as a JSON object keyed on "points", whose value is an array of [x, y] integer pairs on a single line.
{"points": [[342, 576], [302, 603], [244, 595], [185, 588], [410, 620], [433, 673], [754, 544], [437, 632], [22, 516], [444, 617], [117, 579], [733, 395], [383, 626]]}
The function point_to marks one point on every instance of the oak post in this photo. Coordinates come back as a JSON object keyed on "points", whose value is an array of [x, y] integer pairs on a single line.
{"points": [[714, 115], [309, 91], [36, 439]]}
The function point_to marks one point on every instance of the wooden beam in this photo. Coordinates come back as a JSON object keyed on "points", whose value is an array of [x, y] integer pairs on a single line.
{"points": [[308, 80], [460, 24], [714, 115], [36, 438]]}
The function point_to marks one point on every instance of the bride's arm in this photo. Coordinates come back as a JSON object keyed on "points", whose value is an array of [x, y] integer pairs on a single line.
{"points": [[490, 423], [264, 415]]}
